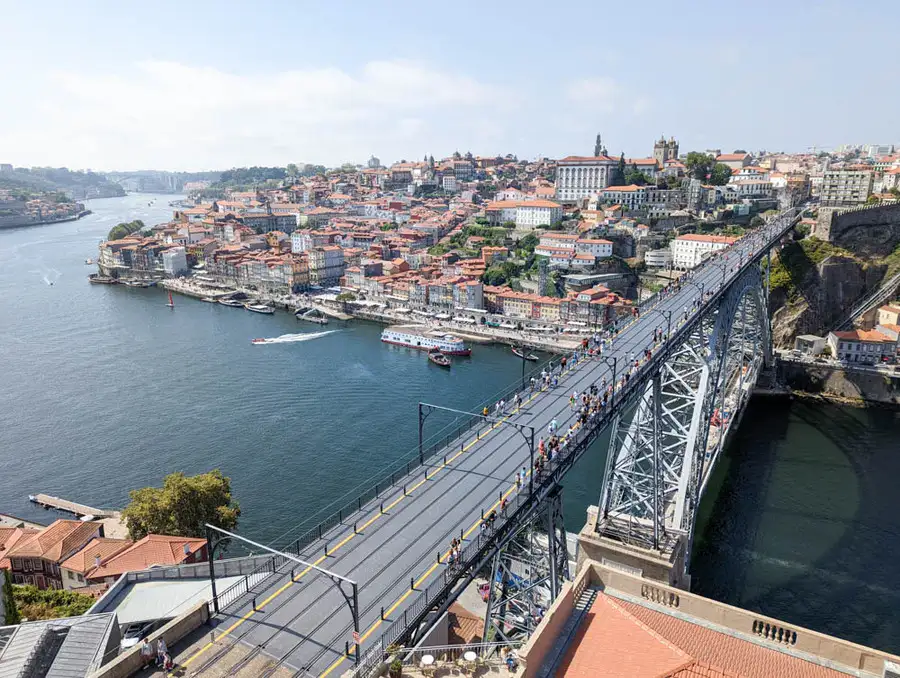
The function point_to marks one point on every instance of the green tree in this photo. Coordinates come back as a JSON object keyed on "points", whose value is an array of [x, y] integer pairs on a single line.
{"points": [[182, 506], [292, 170], [12, 616], [699, 164], [34, 603], [124, 229], [618, 174], [873, 200], [720, 174], [635, 176]]}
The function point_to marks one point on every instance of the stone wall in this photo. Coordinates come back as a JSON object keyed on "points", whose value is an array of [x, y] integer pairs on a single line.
{"points": [[129, 662], [870, 231], [865, 386]]}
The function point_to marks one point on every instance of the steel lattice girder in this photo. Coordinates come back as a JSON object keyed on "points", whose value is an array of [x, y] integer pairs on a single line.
{"points": [[528, 571], [651, 460], [656, 459]]}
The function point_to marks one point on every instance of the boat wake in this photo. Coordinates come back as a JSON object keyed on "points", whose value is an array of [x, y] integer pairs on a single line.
{"points": [[291, 338]]}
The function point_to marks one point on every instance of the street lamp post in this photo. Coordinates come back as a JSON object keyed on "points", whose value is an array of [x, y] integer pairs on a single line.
{"points": [[607, 359]]}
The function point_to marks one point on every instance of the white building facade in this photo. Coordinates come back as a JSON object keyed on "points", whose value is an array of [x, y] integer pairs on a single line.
{"points": [[689, 250], [579, 177]]}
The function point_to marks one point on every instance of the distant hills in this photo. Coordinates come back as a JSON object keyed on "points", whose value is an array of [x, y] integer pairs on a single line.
{"points": [[76, 185]]}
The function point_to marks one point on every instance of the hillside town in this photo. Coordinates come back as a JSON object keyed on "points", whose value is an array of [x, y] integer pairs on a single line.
{"points": [[556, 241]]}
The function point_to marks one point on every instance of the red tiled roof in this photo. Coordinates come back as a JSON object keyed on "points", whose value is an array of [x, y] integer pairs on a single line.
{"points": [[104, 548], [621, 639], [56, 541], [154, 549], [727, 240], [463, 626]]}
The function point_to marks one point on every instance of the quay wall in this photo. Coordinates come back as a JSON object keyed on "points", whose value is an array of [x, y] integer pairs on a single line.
{"points": [[849, 384]]}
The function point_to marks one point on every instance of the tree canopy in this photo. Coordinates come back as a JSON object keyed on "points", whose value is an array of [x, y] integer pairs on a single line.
{"points": [[618, 174], [699, 164], [182, 506], [11, 609], [635, 176], [123, 229], [33, 603], [720, 174]]}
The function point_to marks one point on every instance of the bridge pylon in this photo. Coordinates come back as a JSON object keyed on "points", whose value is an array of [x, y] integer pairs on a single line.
{"points": [[528, 570], [665, 443]]}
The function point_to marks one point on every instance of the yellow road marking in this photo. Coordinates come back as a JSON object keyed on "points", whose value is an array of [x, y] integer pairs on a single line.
{"points": [[350, 536]]}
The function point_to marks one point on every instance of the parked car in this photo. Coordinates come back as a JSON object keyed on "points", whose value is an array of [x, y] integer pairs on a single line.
{"points": [[135, 633]]}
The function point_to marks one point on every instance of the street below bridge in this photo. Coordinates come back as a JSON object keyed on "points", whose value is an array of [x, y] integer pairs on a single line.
{"points": [[396, 544]]}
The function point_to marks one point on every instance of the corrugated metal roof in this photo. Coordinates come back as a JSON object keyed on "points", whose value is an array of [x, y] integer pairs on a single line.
{"points": [[79, 654]]}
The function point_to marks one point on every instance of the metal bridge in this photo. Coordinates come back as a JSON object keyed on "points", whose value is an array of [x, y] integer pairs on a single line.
{"points": [[681, 371]]}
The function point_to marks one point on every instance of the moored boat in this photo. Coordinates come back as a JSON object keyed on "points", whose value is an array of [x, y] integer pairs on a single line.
{"points": [[98, 279], [260, 308], [234, 303], [419, 337], [521, 353], [438, 358]]}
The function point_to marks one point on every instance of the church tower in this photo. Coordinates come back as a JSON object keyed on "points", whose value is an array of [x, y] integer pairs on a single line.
{"points": [[598, 147]]}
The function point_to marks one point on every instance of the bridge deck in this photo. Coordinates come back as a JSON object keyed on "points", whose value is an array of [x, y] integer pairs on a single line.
{"points": [[303, 623]]}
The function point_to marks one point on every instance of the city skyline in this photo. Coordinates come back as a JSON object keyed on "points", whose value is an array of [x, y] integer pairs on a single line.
{"points": [[212, 86]]}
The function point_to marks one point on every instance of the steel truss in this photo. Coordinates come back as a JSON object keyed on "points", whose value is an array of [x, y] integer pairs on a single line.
{"points": [[529, 568], [657, 462]]}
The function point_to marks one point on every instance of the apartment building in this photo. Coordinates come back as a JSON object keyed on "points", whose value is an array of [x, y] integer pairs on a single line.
{"points": [[868, 347], [846, 187], [689, 250], [36, 559]]}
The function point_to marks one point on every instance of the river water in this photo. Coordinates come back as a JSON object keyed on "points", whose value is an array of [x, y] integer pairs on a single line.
{"points": [[105, 389]]}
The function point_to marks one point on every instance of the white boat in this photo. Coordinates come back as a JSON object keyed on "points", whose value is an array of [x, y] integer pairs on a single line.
{"points": [[88, 261], [416, 336], [260, 308], [234, 303]]}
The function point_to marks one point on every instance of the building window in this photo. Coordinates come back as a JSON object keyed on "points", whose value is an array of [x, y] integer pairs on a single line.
{"points": [[70, 574]]}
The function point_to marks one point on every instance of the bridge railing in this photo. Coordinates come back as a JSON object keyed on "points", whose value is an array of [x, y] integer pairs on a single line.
{"points": [[393, 476]]}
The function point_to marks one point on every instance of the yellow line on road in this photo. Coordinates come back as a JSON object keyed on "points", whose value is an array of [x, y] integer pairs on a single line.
{"points": [[345, 540]]}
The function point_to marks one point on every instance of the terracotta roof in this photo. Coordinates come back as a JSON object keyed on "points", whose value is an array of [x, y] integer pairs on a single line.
{"points": [[732, 156], [864, 335], [727, 240], [55, 542], [463, 626], [621, 639], [9, 537], [734, 655], [154, 549], [104, 548]]}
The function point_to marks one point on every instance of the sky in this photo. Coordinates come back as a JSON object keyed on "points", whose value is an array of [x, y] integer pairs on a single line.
{"points": [[195, 85]]}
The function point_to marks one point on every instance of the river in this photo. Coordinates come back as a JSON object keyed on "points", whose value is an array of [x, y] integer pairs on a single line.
{"points": [[105, 389]]}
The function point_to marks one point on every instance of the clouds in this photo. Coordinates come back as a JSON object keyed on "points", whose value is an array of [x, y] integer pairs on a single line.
{"points": [[605, 95], [164, 114]]}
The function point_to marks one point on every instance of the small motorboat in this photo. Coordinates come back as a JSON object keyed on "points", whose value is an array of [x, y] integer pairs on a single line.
{"points": [[521, 353], [234, 303], [258, 341], [438, 358], [88, 261], [260, 308]]}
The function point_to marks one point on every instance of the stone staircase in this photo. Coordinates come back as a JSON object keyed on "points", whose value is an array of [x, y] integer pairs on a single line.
{"points": [[582, 605]]}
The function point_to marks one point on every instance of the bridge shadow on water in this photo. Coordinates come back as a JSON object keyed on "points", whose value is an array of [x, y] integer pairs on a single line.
{"points": [[805, 525]]}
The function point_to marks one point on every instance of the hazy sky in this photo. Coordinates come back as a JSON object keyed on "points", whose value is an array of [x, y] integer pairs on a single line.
{"points": [[211, 85]]}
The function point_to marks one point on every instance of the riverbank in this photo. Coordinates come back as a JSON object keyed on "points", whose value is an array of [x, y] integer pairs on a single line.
{"points": [[328, 305], [16, 222], [861, 386]]}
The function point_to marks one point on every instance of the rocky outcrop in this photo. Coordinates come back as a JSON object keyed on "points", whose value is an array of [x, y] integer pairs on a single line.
{"points": [[821, 294], [867, 231]]}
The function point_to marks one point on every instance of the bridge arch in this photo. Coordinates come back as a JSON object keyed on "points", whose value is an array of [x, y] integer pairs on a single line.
{"points": [[663, 447]]}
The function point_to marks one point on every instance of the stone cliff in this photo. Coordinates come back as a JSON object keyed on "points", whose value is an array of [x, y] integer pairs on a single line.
{"points": [[815, 283]]}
